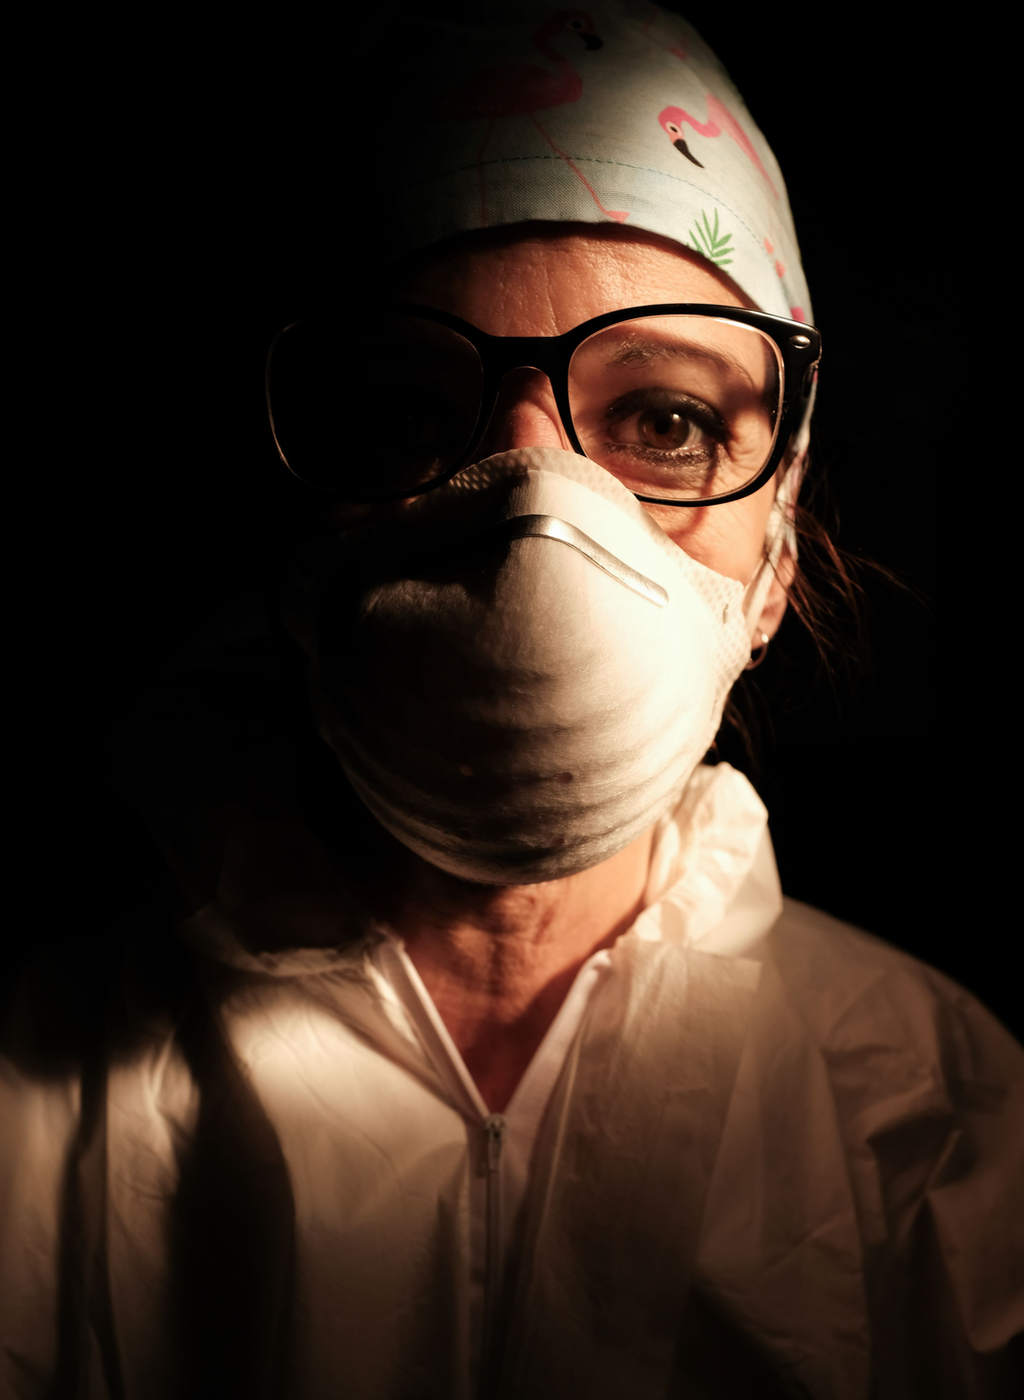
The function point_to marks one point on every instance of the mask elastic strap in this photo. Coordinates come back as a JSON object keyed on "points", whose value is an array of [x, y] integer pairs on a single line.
{"points": [[779, 534]]}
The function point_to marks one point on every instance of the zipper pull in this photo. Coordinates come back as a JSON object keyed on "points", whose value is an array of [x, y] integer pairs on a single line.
{"points": [[494, 1129]]}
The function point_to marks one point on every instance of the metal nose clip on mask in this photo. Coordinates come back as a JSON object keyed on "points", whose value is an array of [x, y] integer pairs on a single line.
{"points": [[520, 671]]}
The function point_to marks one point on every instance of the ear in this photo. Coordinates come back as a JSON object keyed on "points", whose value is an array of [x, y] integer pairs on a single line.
{"points": [[778, 595]]}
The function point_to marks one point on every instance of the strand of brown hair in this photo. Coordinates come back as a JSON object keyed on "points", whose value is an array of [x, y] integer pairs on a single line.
{"points": [[828, 598]]}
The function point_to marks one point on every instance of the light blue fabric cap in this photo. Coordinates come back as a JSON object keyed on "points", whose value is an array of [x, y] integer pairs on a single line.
{"points": [[617, 112]]}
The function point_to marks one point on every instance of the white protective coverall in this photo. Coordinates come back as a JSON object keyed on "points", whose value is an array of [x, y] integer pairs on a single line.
{"points": [[759, 1152]]}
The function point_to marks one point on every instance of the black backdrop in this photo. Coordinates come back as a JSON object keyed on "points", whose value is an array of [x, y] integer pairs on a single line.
{"points": [[193, 232]]}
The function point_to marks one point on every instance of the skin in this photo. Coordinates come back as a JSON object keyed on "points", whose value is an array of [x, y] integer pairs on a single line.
{"points": [[499, 962]]}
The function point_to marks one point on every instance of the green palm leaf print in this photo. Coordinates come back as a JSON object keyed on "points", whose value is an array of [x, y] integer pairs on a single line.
{"points": [[709, 243]]}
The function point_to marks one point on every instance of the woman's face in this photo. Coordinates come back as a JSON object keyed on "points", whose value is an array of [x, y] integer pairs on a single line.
{"points": [[546, 282]]}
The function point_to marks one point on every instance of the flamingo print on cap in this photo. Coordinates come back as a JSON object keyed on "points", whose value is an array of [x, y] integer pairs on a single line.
{"points": [[525, 111], [720, 119], [523, 90]]}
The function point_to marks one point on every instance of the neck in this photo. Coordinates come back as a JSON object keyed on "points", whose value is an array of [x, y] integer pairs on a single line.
{"points": [[499, 961]]}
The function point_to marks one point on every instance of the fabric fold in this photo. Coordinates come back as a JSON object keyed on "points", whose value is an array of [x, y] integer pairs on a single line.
{"points": [[646, 1092]]}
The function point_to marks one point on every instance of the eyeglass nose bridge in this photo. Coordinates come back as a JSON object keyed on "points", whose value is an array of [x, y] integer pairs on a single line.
{"points": [[501, 356]]}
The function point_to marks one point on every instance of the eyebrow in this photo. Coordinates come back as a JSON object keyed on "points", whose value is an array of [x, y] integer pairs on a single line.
{"points": [[639, 350]]}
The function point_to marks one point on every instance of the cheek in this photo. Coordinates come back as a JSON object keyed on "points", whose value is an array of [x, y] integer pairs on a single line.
{"points": [[728, 539]]}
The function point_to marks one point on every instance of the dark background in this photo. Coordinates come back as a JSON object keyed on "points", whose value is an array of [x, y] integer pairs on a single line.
{"points": [[192, 231]]}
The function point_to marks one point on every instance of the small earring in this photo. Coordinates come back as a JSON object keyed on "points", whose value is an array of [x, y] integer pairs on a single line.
{"points": [[758, 654]]}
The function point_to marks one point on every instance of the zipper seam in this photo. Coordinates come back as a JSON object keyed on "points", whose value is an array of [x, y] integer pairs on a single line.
{"points": [[494, 1126]]}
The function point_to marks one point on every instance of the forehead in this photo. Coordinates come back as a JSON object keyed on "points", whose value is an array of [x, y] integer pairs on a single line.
{"points": [[545, 279]]}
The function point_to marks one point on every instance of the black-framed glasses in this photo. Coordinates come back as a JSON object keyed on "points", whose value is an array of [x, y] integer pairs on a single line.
{"points": [[686, 404]]}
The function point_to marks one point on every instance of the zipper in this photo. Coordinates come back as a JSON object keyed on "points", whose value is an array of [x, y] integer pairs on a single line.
{"points": [[494, 1141]]}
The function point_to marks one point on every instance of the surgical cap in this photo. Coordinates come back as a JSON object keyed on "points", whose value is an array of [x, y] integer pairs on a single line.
{"points": [[505, 112]]}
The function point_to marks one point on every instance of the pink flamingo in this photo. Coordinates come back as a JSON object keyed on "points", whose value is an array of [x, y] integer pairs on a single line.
{"points": [[523, 90], [719, 118]]}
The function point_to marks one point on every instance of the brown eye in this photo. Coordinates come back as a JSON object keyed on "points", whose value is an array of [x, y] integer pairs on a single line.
{"points": [[668, 430]]}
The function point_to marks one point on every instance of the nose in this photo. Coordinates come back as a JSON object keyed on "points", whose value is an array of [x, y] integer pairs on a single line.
{"points": [[525, 415]]}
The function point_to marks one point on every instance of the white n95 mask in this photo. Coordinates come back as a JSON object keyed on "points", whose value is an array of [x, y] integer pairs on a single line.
{"points": [[519, 671]]}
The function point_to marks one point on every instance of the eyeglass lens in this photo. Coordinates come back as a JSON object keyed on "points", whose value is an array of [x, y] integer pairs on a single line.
{"points": [[677, 407]]}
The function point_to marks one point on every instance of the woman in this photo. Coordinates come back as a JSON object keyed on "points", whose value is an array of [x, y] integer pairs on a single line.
{"points": [[548, 1092]]}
